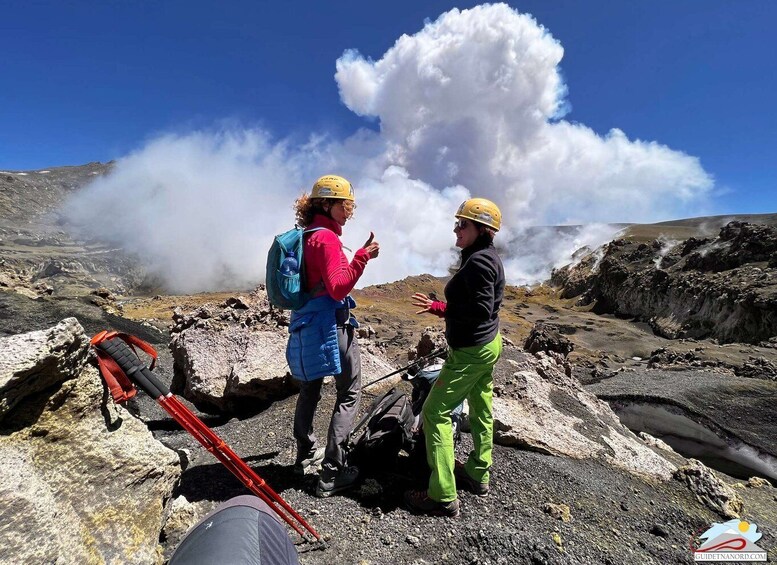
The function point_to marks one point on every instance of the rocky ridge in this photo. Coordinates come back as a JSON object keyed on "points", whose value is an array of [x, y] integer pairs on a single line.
{"points": [[39, 254], [723, 288], [576, 469], [571, 484]]}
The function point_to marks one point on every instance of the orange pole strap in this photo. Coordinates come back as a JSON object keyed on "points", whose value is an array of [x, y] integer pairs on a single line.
{"points": [[122, 389]]}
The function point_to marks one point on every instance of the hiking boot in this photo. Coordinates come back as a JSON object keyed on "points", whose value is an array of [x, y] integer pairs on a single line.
{"points": [[336, 480], [309, 462], [418, 502], [464, 481]]}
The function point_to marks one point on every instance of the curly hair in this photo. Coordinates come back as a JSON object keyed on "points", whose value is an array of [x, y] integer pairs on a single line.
{"points": [[305, 208]]}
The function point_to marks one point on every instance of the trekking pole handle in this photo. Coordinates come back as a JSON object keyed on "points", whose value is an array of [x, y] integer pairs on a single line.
{"points": [[416, 362], [133, 367]]}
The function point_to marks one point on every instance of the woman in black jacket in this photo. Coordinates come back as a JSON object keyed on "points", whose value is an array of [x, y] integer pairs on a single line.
{"points": [[471, 311]]}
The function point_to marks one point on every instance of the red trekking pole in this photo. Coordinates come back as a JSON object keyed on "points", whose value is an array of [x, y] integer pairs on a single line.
{"points": [[122, 369]]}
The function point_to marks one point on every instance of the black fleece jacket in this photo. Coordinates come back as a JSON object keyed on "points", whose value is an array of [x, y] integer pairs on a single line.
{"points": [[474, 296]]}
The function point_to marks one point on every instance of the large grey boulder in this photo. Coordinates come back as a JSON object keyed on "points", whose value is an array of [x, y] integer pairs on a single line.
{"points": [[34, 361], [540, 407], [232, 356], [81, 480], [223, 369]]}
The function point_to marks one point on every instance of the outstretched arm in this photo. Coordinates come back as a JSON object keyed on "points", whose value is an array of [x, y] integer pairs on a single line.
{"points": [[426, 304]]}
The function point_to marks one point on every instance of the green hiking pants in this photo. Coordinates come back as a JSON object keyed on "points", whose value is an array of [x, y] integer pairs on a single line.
{"points": [[467, 374]]}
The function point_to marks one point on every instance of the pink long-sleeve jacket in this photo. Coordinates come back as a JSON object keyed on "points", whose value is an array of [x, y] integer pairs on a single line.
{"points": [[325, 260]]}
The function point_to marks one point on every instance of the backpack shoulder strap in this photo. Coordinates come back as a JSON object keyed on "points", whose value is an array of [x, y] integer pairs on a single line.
{"points": [[384, 402], [311, 230], [320, 286]]}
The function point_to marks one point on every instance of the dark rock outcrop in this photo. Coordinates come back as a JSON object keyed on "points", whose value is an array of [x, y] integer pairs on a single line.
{"points": [[707, 413], [547, 338], [723, 288]]}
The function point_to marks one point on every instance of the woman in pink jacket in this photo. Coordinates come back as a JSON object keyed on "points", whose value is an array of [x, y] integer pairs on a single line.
{"points": [[329, 277]]}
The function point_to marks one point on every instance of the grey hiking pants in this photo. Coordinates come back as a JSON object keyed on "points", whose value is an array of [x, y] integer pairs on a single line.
{"points": [[348, 384]]}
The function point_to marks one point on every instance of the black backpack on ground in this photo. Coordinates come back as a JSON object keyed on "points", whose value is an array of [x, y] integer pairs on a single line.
{"points": [[423, 380], [389, 429], [394, 424]]}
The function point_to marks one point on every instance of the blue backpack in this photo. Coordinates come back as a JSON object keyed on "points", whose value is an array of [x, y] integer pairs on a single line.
{"points": [[285, 266]]}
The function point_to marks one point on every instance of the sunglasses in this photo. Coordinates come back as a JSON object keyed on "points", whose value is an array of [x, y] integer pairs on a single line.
{"points": [[461, 224], [348, 206]]}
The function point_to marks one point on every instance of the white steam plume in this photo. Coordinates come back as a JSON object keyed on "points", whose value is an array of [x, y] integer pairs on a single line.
{"points": [[200, 209], [470, 105], [545, 248]]}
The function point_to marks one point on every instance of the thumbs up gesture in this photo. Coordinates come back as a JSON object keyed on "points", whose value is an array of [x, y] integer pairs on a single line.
{"points": [[372, 247]]}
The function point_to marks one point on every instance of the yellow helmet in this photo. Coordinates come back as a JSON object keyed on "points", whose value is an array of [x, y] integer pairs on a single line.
{"points": [[332, 186], [482, 211]]}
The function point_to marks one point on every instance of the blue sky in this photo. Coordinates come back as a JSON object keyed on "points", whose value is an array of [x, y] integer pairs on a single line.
{"points": [[93, 81]]}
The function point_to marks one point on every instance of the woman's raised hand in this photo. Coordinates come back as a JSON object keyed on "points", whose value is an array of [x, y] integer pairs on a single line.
{"points": [[422, 301], [372, 247]]}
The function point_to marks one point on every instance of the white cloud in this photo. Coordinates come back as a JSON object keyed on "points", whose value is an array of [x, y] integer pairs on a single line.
{"points": [[475, 98], [473, 103], [412, 221]]}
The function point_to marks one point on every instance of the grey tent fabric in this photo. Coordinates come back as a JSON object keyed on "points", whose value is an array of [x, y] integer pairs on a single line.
{"points": [[242, 530]]}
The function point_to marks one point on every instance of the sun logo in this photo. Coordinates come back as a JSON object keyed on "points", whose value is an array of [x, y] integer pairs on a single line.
{"points": [[729, 541]]}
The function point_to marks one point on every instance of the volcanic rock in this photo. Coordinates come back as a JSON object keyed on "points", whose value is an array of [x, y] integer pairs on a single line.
{"points": [[558, 511], [710, 489], [232, 357], [32, 362], [547, 338], [80, 478], [758, 482], [222, 368], [542, 408], [723, 288], [432, 339], [183, 515]]}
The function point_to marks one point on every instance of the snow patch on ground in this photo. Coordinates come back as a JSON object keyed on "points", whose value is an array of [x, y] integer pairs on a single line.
{"points": [[692, 439]]}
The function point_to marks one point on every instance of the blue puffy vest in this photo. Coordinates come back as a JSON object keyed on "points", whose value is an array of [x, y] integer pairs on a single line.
{"points": [[312, 351]]}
